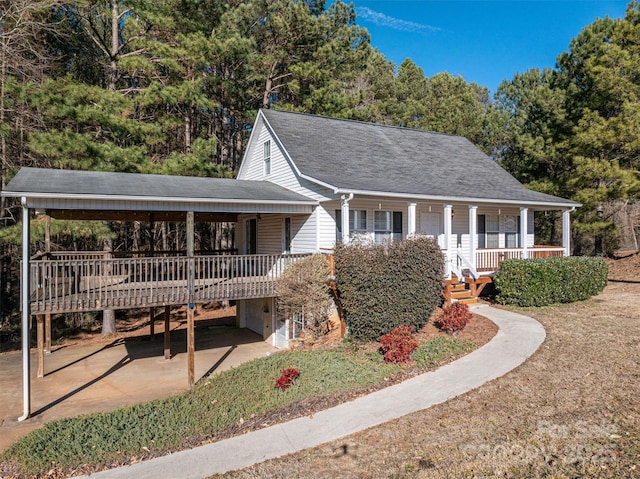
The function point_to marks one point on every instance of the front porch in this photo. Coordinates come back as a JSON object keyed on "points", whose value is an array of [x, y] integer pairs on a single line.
{"points": [[466, 281]]}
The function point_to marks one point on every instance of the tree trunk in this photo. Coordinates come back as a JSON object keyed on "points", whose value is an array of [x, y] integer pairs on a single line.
{"points": [[113, 66]]}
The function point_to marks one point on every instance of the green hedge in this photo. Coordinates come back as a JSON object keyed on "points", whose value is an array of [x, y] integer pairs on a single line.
{"points": [[382, 287], [539, 282]]}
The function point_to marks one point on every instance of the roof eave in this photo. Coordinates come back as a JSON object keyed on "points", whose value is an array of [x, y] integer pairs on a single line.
{"points": [[153, 199], [464, 199]]}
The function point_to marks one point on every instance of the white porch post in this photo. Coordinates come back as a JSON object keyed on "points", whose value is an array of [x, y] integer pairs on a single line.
{"points": [[26, 313], [344, 212], [523, 232], [473, 234], [447, 240], [411, 219], [566, 232]]}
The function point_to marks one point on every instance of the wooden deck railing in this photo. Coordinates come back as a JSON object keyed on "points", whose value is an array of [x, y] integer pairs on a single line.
{"points": [[490, 259], [83, 283]]}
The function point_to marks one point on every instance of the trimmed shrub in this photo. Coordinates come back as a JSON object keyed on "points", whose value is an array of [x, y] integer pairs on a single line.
{"points": [[382, 287], [398, 345], [454, 318], [539, 282]]}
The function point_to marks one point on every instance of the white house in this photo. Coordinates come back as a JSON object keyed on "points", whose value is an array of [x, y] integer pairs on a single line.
{"points": [[305, 183], [378, 183]]}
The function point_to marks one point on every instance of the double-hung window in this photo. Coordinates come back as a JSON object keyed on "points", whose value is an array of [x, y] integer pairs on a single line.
{"points": [[267, 157], [488, 231], [387, 226]]}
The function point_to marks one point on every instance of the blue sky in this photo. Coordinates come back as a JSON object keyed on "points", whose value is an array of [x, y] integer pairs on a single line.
{"points": [[485, 41]]}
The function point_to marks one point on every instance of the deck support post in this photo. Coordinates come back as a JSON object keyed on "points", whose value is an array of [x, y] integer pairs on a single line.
{"points": [[26, 313], [447, 240], [191, 344], [566, 232], [167, 333], [47, 318], [473, 235], [47, 333], [523, 232], [411, 219], [40, 335]]}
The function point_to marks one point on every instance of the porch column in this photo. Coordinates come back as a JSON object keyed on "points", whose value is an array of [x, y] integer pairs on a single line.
{"points": [[344, 213], [411, 219], [566, 232], [191, 342], [26, 313], [523, 232], [473, 234], [447, 240]]}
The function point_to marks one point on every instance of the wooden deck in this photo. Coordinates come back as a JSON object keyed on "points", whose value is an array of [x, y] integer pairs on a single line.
{"points": [[86, 283]]}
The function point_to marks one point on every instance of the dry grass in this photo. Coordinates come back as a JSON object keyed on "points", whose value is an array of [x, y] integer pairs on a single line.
{"points": [[572, 410]]}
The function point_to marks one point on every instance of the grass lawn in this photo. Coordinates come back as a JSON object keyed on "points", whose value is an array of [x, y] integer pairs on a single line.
{"points": [[233, 401], [572, 410]]}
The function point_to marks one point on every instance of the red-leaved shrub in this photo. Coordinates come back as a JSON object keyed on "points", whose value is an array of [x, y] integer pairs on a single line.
{"points": [[398, 345], [286, 378], [455, 318]]}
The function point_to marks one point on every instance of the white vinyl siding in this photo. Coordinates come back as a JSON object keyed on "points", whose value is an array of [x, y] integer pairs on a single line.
{"points": [[282, 172], [303, 229]]}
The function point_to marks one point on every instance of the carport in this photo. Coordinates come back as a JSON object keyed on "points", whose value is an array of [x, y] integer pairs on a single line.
{"points": [[70, 283]]}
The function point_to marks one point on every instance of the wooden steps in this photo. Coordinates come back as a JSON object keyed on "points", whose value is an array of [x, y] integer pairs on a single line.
{"points": [[464, 290]]}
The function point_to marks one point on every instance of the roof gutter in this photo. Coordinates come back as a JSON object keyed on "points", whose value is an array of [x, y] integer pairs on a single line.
{"points": [[572, 204]]}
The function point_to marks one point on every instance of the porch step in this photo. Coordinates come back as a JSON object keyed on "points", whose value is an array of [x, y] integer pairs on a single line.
{"points": [[458, 292], [461, 293], [469, 300]]}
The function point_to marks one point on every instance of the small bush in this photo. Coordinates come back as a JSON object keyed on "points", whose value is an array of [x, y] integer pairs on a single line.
{"points": [[302, 287], [539, 282], [454, 318], [382, 287], [286, 378], [398, 345]]}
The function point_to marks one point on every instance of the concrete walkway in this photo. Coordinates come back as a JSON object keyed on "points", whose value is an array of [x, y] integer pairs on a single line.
{"points": [[517, 339]]}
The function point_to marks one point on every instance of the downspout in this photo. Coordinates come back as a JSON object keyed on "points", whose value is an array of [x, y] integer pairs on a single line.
{"points": [[25, 287]]}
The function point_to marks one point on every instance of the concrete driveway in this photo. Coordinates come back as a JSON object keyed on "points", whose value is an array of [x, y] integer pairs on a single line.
{"points": [[82, 379]]}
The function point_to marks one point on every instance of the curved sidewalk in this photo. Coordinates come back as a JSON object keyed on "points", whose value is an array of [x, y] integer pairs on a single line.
{"points": [[517, 339]]}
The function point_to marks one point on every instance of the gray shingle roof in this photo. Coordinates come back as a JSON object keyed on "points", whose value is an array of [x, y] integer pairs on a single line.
{"points": [[359, 156], [73, 183]]}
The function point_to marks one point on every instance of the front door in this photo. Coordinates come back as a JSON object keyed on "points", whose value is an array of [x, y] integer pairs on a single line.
{"points": [[251, 241], [431, 225]]}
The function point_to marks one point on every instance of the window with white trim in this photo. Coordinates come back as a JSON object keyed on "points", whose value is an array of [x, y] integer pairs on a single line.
{"points": [[387, 226], [266, 156], [488, 231]]}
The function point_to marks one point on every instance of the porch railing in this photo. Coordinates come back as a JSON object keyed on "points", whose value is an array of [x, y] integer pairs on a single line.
{"points": [[490, 259], [85, 283]]}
